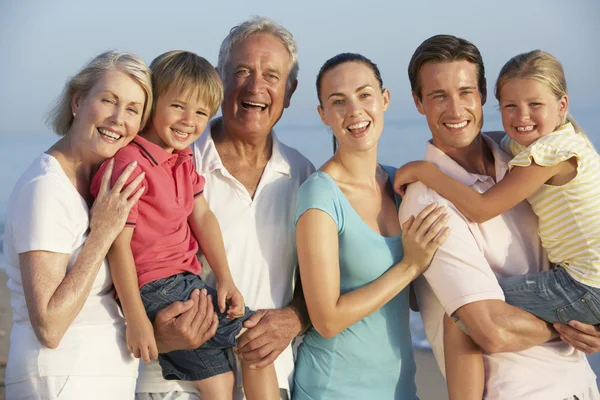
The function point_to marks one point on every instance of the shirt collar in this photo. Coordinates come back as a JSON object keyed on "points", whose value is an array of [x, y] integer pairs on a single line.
{"points": [[207, 157], [455, 171], [156, 154]]}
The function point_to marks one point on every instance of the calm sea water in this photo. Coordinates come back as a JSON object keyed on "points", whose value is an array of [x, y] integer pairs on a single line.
{"points": [[403, 140]]}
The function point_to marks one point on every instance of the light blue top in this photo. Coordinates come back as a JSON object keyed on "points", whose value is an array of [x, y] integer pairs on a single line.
{"points": [[372, 359]]}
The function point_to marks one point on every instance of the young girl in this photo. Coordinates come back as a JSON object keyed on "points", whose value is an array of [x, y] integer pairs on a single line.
{"points": [[557, 170]]}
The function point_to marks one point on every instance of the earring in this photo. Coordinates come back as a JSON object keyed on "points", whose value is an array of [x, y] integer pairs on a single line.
{"points": [[74, 114]]}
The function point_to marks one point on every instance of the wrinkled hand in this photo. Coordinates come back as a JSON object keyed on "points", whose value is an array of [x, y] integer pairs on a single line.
{"points": [[269, 333], [423, 235], [407, 174], [229, 294], [582, 336], [111, 208], [140, 338], [186, 325]]}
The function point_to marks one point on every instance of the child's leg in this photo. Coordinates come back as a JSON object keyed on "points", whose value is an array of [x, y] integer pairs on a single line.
{"points": [[465, 375], [218, 387], [553, 296], [260, 384]]}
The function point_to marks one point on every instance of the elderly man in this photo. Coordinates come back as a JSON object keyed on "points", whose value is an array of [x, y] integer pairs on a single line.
{"points": [[251, 183], [449, 88]]}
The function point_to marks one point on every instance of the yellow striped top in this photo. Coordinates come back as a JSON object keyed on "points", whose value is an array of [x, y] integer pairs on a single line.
{"points": [[569, 215]]}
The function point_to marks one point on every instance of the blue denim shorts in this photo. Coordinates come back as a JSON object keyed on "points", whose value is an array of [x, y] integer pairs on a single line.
{"points": [[212, 357], [553, 296]]}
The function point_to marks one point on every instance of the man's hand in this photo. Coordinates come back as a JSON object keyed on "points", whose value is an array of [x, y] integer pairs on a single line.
{"points": [[581, 336], [186, 325], [269, 333]]}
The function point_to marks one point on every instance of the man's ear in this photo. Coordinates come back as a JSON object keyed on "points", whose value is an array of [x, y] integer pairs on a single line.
{"points": [[289, 92], [418, 103]]}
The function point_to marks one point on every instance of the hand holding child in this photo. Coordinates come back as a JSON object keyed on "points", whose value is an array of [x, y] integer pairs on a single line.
{"points": [[140, 338], [229, 294]]}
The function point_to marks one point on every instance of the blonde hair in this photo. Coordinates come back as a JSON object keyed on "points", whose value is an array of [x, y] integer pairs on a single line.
{"points": [[539, 66], [258, 24], [185, 71], [60, 116]]}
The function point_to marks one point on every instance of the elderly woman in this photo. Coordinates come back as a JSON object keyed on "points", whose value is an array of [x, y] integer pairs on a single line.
{"points": [[355, 263], [68, 335]]}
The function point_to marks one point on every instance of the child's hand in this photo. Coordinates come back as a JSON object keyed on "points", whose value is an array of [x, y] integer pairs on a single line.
{"points": [[228, 293], [407, 174], [140, 338]]}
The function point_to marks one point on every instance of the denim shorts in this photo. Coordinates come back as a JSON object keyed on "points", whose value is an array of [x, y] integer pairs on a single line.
{"points": [[553, 296], [212, 357]]}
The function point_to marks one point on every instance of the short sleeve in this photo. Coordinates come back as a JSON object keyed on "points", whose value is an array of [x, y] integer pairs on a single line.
{"points": [[198, 181], [459, 273], [42, 217], [118, 169], [319, 192], [548, 151]]}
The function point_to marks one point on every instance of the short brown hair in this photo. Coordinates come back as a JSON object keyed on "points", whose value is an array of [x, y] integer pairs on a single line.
{"points": [[187, 71], [444, 48]]}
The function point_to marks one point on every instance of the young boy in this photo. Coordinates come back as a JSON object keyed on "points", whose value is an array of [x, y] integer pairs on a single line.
{"points": [[153, 261]]}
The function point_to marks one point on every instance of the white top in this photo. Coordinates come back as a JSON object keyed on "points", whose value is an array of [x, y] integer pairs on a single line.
{"points": [[464, 270], [259, 240], [45, 212]]}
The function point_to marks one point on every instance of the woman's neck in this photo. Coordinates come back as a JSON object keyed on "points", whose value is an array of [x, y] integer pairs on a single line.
{"points": [[357, 167], [78, 168]]}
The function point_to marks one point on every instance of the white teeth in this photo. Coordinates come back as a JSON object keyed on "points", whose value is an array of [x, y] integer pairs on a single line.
{"points": [[180, 134], [358, 125], [457, 126], [109, 134], [261, 105], [525, 128]]}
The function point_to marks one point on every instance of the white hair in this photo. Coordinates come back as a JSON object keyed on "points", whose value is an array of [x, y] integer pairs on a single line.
{"points": [[250, 27]]}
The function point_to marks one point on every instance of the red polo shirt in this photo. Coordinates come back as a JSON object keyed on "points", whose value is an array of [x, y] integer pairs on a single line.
{"points": [[163, 243]]}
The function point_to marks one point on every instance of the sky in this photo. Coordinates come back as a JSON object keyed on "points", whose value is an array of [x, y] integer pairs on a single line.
{"points": [[42, 43]]}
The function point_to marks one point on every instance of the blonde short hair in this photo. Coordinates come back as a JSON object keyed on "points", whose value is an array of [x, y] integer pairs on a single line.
{"points": [[187, 71], [60, 116], [539, 66]]}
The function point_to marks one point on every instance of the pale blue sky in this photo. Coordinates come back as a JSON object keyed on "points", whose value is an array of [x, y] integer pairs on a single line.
{"points": [[44, 42]]}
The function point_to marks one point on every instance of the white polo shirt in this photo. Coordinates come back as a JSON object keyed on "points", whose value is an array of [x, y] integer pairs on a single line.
{"points": [[259, 240], [464, 270]]}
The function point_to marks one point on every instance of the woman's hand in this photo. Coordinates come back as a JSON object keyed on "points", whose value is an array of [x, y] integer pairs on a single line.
{"points": [[112, 206], [423, 235], [408, 173]]}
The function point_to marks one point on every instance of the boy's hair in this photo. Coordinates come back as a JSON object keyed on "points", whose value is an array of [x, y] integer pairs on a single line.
{"points": [[444, 48], [186, 71], [60, 116], [539, 66]]}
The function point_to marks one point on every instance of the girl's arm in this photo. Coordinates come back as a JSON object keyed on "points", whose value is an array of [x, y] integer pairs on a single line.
{"points": [[465, 375], [139, 334], [517, 186], [207, 231], [54, 296], [317, 243]]}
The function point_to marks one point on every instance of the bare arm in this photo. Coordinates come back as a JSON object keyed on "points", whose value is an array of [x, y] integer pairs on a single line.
{"points": [[498, 327], [54, 296], [465, 374], [480, 207], [140, 334], [317, 242], [207, 231]]}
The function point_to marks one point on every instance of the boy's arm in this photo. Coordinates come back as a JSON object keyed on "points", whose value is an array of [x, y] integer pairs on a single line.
{"points": [[465, 375], [207, 231], [140, 334], [480, 207]]}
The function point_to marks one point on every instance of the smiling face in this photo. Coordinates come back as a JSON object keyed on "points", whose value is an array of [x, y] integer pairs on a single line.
{"points": [[452, 103], [255, 84], [353, 104], [530, 110], [179, 119], [109, 116]]}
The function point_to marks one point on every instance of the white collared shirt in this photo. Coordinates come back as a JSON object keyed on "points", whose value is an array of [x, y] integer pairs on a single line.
{"points": [[464, 270], [259, 239]]}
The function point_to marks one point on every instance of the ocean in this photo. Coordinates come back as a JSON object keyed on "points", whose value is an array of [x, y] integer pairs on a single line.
{"points": [[403, 140]]}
